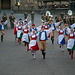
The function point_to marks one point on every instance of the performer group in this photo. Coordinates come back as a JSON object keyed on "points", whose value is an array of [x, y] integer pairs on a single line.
{"points": [[28, 33]]}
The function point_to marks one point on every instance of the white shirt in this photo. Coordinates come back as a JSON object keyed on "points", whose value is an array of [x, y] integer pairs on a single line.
{"points": [[43, 36]]}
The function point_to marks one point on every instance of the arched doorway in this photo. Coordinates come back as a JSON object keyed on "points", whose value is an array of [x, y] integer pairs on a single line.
{"points": [[5, 4]]}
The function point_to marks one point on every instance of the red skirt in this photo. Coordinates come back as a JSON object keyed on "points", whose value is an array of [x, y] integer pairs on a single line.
{"points": [[36, 47], [15, 31]]}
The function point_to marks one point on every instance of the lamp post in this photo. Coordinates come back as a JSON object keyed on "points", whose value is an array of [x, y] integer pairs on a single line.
{"points": [[32, 7], [18, 5]]}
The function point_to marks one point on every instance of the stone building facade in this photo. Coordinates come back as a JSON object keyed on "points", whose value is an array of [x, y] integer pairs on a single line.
{"points": [[24, 4]]}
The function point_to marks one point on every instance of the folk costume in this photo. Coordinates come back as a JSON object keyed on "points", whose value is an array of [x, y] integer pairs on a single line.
{"points": [[2, 28], [19, 33], [53, 26], [33, 45], [15, 28], [61, 38], [26, 38], [67, 31], [71, 44], [33, 28], [42, 40], [25, 23]]}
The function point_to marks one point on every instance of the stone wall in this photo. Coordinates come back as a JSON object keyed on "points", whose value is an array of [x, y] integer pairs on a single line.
{"points": [[24, 4]]}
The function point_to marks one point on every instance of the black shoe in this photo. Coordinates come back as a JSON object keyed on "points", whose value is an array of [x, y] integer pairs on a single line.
{"points": [[32, 54], [44, 55], [1, 38], [42, 52], [52, 38], [53, 41]]}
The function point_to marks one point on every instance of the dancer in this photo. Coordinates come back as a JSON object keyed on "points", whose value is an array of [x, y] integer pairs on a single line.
{"points": [[25, 37], [66, 31], [33, 28], [33, 46], [61, 37], [53, 25], [15, 28], [71, 44], [2, 29], [26, 23], [19, 32], [42, 40]]}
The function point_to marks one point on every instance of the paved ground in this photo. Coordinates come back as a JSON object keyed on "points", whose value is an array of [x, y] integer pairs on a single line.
{"points": [[15, 60]]}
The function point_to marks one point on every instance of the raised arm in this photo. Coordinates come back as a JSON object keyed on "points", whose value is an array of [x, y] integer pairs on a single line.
{"points": [[29, 23], [39, 28], [58, 23], [73, 25], [49, 30]]}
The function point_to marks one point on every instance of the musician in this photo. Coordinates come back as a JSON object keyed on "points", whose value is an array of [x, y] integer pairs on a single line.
{"points": [[12, 18]]}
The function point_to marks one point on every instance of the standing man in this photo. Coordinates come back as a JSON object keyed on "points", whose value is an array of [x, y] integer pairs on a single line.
{"points": [[62, 15], [25, 15], [12, 18], [4, 17], [32, 17]]}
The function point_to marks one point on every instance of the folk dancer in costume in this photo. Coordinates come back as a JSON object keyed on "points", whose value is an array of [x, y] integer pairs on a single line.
{"points": [[25, 37], [33, 45], [19, 33], [73, 27], [66, 31], [71, 43], [34, 28], [2, 28], [20, 21], [26, 23], [42, 40], [61, 38], [53, 26], [15, 28]]}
